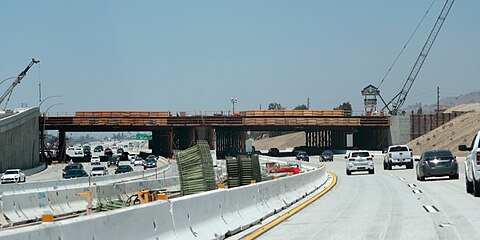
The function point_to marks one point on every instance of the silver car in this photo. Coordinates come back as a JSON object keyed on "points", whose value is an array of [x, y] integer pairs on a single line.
{"points": [[357, 161]]}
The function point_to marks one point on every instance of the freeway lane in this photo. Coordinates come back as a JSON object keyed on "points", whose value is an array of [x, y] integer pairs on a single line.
{"points": [[386, 205]]}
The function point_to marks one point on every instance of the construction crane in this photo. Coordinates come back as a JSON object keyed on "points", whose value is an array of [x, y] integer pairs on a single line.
{"points": [[399, 99], [19, 78]]}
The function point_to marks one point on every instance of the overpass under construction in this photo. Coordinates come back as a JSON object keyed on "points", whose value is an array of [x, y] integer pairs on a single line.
{"points": [[226, 134]]}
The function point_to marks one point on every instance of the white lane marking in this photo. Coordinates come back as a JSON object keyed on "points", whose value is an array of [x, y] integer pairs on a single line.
{"points": [[390, 174], [412, 185], [430, 208], [403, 179], [417, 191]]}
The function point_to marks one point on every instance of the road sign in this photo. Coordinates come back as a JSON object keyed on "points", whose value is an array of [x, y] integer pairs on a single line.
{"points": [[141, 136]]}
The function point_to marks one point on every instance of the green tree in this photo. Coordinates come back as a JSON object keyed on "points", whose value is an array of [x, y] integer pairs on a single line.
{"points": [[301, 107], [275, 106], [347, 107]]}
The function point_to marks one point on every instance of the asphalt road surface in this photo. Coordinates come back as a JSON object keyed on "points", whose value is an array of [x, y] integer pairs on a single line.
{"points": [[387, 205]]}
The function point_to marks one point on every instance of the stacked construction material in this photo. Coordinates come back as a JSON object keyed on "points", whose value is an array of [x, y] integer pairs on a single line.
{"points": [[233, 172], [195, 168], [242, 170]]}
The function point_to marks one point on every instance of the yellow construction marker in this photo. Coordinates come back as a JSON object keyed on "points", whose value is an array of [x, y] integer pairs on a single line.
{"points": [[47, 217], [221, 185], [87, 194], [282, 218], [253, 181], [275, 177], [162, 196]]}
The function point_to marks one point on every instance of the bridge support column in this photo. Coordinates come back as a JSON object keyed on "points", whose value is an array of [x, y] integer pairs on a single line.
{"points": [[184, 137], [207, 134], [230, 142], [62, 145], [162, 143], [334, 139]]}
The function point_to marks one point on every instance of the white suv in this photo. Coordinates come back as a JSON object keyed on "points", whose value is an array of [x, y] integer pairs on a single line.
{"points": [[359, 161], [95, 160]]}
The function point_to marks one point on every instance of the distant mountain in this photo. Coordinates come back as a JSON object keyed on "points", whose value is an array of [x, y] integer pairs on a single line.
{"points": [[447, 102]]}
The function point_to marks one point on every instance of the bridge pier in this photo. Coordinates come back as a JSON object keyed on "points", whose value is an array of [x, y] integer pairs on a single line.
{"points": [[62, 145], [333, 139], [230, 142], [162, 143]]}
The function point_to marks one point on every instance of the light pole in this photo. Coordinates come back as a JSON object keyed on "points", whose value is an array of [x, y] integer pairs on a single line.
{"points": [[43, 128], [233, 100], [46, 99]]}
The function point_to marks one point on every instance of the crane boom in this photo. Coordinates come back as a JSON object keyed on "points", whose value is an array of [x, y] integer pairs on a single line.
{"points": [[398, 101], [19, 78]]}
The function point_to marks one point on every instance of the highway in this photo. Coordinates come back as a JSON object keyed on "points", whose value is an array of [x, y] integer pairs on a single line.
{"points": [[386, 205]]}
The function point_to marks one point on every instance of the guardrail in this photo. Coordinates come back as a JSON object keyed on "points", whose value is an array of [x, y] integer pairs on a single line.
{"points": [[210, 215]]}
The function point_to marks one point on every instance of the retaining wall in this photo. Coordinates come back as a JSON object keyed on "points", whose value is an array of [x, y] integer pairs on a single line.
{"points": [[19, 140]]}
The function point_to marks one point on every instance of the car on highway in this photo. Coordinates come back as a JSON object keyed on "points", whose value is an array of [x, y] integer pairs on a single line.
{"points": [[95, 160], [151, 157], [75, 173], [87, 152], [119, 151], [108, 152], [99, 171], [436, 163], [71, 167], [78, 150], [112, 161], [273, 151], [326, 155], [150, 163], [98, 149], [123, 169], [131, 157], [70, 149], [302, 156], [398, 155], [359, 161], [138, 161], [472, 165], [13, 176]]}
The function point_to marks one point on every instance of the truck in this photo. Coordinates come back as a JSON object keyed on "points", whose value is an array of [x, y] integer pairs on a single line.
{"points": [[398, 155], [472, 165]]}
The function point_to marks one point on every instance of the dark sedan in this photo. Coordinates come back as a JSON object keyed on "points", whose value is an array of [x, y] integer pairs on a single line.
{"points": [[302, 156], [326, 155], [437, 163], [72, 166], [75, 173], [150, 163], [123, 169]]}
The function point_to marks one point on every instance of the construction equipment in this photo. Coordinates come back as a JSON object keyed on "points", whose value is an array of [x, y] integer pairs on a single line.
{"points": [[146, 196], [19, 78], [399, 99]]}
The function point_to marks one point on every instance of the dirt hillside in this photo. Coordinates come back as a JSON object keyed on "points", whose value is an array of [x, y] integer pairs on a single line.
{"points": [[465, 108], [448, 136], [281, 142]]}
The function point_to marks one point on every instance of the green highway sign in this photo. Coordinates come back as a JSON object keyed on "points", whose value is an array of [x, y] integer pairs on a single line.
{"points": [[141, 136]]}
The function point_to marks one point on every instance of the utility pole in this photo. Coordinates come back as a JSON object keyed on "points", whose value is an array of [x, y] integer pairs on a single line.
{"points": [[308, 103], [438, 104], [438, 100]]}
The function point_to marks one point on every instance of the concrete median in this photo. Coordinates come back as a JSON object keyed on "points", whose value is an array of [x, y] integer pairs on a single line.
{"points": [[209, 215]]}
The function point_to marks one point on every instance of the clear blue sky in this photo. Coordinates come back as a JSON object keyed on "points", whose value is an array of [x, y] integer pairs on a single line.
{"points": [[196, 55]]}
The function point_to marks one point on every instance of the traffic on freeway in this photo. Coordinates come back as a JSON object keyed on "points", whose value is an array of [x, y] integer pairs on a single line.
{"points": [[390, 204]]}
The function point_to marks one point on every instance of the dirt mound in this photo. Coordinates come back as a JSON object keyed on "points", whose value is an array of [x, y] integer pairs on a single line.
{"points": [[473, 107], [281, 142], [448, 136]]}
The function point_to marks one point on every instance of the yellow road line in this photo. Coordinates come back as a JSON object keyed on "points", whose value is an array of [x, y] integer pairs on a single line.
{"points": [[282, 218]]}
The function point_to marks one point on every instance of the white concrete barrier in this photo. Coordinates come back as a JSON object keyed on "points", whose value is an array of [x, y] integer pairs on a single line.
{"points": [[78, 182], [209, 215]]}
